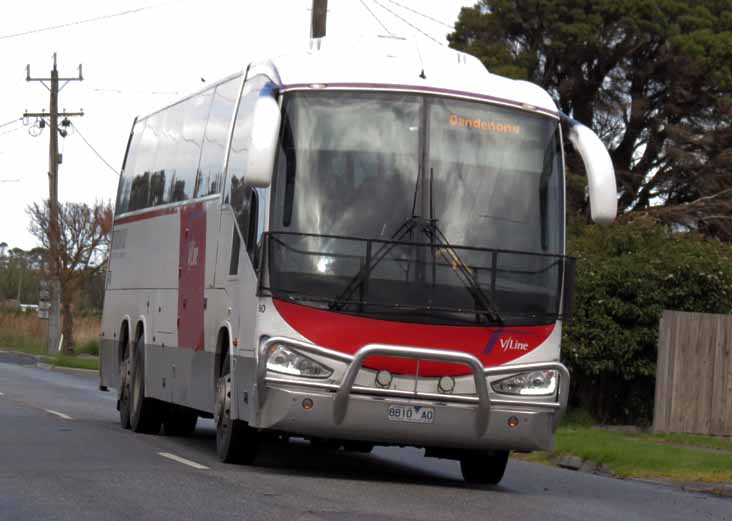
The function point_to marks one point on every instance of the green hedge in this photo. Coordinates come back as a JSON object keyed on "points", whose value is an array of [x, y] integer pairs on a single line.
{"points": [[627, 274]]}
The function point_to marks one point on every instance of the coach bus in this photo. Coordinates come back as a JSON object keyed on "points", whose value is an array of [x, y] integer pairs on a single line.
{"points": [[357, 245]]}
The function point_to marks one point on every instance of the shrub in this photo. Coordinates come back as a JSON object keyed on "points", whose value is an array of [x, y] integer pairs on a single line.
{"points": [[627, 274]]}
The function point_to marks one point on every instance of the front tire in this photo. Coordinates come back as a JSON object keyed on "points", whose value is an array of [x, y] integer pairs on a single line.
{"points": [[236, 442], [144, 412], [485, 468]]}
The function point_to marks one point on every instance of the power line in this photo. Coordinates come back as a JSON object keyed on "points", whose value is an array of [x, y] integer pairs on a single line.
{"points": [[10, 131], [94, 150], [78, 22], [10, 122], [422, 14], [406, 22], [118, 91], [375, 17]]}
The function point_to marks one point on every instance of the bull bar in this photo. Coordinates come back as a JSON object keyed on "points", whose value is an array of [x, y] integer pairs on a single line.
{"points": [[346, 387]]}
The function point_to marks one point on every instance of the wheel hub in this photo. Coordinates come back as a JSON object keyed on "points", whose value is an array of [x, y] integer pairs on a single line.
{"points": [[222, 406]]}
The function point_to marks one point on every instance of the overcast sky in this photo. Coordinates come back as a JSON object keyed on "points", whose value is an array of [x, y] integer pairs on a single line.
{"points": [[137, 62]]}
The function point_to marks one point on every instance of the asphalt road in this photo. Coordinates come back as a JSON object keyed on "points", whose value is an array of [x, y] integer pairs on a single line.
{"points": [[63, 456]]}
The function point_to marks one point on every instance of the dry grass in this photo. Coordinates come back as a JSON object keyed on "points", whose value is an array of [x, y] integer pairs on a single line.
{"points": [[26, 332]]}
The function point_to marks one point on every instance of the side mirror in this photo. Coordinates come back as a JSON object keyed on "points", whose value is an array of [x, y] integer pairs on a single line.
{"points": [[263, 146], [600, 171]]}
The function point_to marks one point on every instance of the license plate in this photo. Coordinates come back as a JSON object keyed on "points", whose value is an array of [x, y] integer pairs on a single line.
{"points": [[411, 413]]}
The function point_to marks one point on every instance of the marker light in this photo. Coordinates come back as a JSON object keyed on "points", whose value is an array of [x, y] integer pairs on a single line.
{"points": [[446, 384], [534, 383], [383, 378], [513, 422], [282, 359]]}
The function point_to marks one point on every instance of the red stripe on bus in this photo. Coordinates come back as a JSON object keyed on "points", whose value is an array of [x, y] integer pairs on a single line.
{"points": [[146, 215], [348, 333]]}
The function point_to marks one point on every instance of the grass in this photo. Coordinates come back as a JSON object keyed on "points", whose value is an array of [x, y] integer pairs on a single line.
{"points": [[27, 333], [71, 361], [22, 332], [89, 347], [642, 455], [692, 440]]}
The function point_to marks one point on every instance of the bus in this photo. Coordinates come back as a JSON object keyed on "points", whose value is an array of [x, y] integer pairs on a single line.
{"points": [[356, 244]]}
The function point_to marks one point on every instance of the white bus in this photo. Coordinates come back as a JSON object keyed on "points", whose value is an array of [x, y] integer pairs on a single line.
{"points": [[359, 245]]}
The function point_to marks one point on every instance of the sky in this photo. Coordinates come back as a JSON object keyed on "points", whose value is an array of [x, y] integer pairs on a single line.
{"points": [[144, 59]]}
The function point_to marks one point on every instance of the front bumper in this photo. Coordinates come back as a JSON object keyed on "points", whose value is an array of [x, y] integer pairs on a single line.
{"points": [[348, 411]]}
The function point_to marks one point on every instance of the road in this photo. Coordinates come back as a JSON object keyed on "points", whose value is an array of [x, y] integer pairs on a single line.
{"points": [[63, 456]]}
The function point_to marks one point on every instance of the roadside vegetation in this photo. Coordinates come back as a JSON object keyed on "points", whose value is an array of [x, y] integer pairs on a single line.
{"points": [[74, 362], [623, 285], [683, 458], [26, 333], [21, 331]]}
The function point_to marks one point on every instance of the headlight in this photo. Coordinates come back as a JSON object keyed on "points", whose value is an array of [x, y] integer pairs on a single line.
{"points": [[534, 383], [288, 361]]}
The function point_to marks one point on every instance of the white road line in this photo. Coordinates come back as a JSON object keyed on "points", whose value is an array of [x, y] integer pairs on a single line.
{"points": [[2, 394], [183, 461], [59, 414]]}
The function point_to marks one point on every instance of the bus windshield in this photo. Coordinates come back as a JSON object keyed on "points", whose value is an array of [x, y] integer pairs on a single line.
{"points": [[429, 207]]}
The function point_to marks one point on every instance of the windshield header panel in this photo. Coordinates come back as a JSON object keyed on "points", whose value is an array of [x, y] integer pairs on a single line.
{"points": [[418, 89]]}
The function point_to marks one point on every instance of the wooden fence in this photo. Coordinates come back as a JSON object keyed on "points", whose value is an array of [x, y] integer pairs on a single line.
{"points": [[694, 374]]}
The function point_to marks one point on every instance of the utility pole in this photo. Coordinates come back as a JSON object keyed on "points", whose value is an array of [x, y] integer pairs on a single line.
{"points": [[54, 255], [318, 18]]}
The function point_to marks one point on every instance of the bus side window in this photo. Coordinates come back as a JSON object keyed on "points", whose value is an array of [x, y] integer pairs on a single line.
{"points": [[211, 167]]}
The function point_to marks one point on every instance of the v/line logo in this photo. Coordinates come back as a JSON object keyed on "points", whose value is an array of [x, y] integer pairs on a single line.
{"points": [[511, 344]]}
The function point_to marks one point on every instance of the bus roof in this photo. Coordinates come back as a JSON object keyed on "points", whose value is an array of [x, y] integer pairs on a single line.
{"points": [[392, 62], [384, 62]]}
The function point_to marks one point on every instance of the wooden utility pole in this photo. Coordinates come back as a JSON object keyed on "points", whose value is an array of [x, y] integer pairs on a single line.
{"points": [[317, 21], [54, 255]]}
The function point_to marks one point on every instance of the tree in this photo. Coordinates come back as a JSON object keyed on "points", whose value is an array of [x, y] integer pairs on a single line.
{"points": [[652, 77], [19, 275], [83, 244]]}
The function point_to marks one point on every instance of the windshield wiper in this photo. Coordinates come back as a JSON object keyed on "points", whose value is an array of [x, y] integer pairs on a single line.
{"points": [[433, 232], [406, 228], [363, 274], [438, 243], [482, 300]]}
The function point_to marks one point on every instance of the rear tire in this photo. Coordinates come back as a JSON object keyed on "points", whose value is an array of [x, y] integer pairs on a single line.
{"points": [[180, 421], [236, 442], [144, 412], [123, 395], [484, 468]]}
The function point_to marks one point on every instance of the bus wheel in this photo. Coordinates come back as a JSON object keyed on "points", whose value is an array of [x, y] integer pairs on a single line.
{"points": [[180, 421], [144, 412], [123, 394], [484, 468], [236, 442]]}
